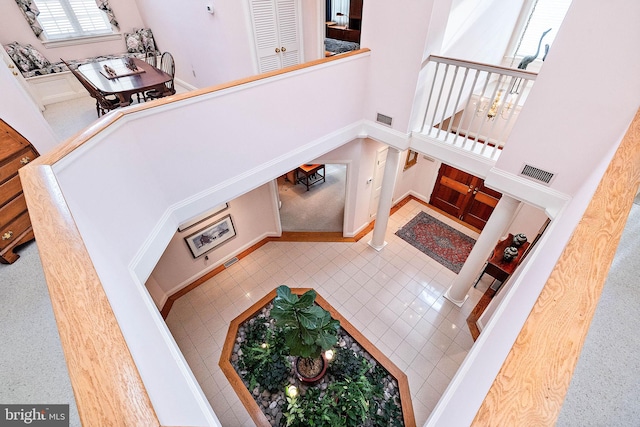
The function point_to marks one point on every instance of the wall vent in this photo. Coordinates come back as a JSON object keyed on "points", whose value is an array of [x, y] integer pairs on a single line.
{"points": [[231, 262], [537, 174], [385, 120]]}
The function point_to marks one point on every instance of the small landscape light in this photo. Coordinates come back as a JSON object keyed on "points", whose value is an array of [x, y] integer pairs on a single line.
{"points": [[329, 354], [292, 391]]}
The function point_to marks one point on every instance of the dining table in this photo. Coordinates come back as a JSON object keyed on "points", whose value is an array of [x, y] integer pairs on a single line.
{"points": [[122, 81]]}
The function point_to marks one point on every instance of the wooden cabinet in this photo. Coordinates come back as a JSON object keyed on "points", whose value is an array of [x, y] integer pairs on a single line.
{"points": [[346, 34], [15, 225]]}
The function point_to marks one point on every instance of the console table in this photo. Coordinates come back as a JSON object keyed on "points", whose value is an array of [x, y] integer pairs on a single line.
{"points": [[497, 267], [310, 174]]}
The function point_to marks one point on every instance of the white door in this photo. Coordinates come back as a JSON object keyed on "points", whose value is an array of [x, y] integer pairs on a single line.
{"points": [[288, 32], [378, 174], [276, 33]]}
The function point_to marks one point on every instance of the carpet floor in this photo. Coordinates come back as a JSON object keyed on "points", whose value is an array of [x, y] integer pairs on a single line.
{"points": [[319, 209], [439, 241]]}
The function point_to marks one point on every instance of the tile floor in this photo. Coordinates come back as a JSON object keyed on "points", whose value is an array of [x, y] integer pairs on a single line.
{"points": [[393, 296]]}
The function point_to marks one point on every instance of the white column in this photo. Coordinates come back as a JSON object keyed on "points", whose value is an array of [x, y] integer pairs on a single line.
{"points": [[386, 199], [491, 234]]}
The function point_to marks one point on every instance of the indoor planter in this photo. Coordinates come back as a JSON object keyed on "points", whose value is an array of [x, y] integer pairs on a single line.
{"points": [[309, 331]]}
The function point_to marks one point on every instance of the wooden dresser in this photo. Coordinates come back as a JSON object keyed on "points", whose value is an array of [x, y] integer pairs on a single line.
{"points": [[15, 225]]}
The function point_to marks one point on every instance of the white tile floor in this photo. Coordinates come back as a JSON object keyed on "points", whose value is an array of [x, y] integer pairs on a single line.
{"points": [[393, 296]]}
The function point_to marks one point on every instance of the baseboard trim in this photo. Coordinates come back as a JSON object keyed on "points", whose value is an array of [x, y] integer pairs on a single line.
{"points": [[287, 236]]}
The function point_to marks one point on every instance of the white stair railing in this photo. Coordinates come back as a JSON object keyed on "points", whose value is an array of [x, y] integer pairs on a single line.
{"points": [[472, 105]]}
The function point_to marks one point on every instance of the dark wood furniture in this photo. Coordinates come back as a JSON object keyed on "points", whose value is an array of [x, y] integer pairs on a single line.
{"points": [[104, 103], [15, 224], [350, 33], [167, 65], [310, 174], [124, 87], [497, 267]]}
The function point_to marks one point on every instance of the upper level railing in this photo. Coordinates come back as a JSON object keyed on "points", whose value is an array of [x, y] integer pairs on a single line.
{"points": [[105, 376], [472, 105]]}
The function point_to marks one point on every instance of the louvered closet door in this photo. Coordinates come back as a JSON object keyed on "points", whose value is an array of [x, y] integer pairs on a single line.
{"points": [[276, 33], [265, 32], [288, 32]]}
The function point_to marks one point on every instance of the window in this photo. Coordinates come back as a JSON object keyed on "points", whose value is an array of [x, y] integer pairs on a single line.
{"points": [[340, 11], [63, 19], [543, 14]]}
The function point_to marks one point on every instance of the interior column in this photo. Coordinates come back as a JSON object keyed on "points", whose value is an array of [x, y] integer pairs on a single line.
{"points": [[386, 199], [498, 221]]}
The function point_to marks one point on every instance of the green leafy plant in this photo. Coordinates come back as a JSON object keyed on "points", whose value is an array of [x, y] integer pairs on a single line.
{"points": [[345, 364], [265, 360], [309, 328]]}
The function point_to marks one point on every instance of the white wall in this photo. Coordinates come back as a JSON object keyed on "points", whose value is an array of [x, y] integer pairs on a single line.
{"points": [[19, 111], [396, 36], [214, 49], [418, 180], [576, 111], [480, 31], [358, 155], [14, 27], [571, 124]]}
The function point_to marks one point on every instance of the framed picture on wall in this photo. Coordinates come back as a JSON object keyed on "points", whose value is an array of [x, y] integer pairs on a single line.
{"points": [[412, 159], [198, 219], [211, 237]]}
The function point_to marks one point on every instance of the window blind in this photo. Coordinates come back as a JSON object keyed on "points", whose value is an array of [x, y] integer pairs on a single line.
{"points": [[546, 14], [71, 18]]}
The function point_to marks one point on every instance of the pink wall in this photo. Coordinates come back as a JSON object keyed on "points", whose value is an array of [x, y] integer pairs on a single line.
{"points": [[253, 216], [15, 28]]}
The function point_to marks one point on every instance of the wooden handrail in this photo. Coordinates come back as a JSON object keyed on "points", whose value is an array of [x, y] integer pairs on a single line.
{"points": [[533, 381], [107, 385], [105, 380]]}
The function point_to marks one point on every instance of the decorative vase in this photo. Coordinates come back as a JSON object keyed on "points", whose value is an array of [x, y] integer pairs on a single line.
{"points": [[519, 240], [510, 253]]}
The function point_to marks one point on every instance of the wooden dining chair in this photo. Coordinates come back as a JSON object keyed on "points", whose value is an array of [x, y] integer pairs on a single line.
{"points": [[104, 104], [168, 66], [150, 58]]}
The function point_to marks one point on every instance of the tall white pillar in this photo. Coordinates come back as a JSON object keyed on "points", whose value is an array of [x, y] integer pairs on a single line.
{"points": [[491, 234], [386, 199]]}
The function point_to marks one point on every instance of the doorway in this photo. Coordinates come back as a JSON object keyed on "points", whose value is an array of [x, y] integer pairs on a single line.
{"points": [[318, 209], [463, 196]]}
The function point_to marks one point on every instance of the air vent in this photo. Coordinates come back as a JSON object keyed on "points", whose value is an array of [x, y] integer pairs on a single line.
{"points": [[385, 120], [231, 262], [537, 174]]}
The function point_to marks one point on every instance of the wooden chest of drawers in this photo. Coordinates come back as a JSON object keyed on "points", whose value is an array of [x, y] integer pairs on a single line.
{"points": [[15, 225]]}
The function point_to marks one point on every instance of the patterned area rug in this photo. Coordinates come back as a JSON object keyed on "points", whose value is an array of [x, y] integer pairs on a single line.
{"points": [[441, 242]]}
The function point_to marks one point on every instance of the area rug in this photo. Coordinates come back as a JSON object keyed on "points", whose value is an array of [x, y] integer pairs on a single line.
{"points": [[441, 242]]}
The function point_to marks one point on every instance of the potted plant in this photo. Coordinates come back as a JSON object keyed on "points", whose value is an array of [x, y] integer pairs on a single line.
{"points": [[309, 331]]}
